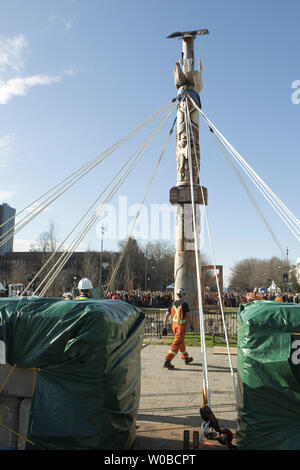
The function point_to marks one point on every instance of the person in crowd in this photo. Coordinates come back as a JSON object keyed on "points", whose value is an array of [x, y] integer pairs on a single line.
{"points": [[68, 295], [140, 298], [178, 311], [85, 289]]}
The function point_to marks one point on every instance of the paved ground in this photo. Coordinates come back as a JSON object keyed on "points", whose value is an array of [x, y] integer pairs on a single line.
{"points": [[170, 399]]}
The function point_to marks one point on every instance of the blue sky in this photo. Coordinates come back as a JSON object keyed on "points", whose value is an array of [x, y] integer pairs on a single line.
{"points": [[77, 75]]}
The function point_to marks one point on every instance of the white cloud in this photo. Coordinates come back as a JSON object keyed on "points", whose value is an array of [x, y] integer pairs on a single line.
{"points": [[72, 71], [12, 83], [11, 54], [19, 86], [69, 23], [6, 149], [53, 19], [6, 195]]}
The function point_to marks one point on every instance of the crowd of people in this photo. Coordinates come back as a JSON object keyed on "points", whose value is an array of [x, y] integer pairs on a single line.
{"points": [[158, 299], [230, 299], [161, 299], [234, 299], [285, 297], [140, 298]]}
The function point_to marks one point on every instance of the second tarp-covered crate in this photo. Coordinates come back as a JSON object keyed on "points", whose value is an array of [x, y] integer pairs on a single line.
{"points": [[268, 376]]}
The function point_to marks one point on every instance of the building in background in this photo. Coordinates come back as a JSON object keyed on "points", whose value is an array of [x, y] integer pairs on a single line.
{"points": [[7, 213]]}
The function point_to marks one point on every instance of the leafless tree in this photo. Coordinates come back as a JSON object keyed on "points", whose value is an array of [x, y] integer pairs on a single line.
{"points": [[91, 266], [48, 239], [252, 273]]}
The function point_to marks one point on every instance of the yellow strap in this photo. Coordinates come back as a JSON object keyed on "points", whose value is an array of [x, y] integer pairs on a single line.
{"points": [[33, 390], [10, 429], [35, 371], [8, 377]]}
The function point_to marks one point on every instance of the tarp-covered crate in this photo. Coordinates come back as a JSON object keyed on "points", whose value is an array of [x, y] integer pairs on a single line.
{"points": [[88, 358], [268, 376]]}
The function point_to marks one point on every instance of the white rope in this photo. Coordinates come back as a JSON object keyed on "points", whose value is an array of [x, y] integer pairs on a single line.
{"points": [[73, 179], [205, 384], [78, 223], [93, 220], [65, 257], [216, 274], [286, 215], [279, 204], [223, 149], [116, 269]]}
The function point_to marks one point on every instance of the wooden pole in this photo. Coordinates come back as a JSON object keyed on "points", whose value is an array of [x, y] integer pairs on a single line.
{"points": [[187, 79]]}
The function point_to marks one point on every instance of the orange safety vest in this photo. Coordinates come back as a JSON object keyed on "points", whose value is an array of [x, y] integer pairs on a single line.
{"points": [[177, 314]]}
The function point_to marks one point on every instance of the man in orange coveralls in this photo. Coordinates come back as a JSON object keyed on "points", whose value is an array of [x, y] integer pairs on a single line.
{"points": [[178, 311]]}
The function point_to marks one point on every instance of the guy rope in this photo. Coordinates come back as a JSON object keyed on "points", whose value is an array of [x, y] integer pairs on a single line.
{"points": [[225, 435]]}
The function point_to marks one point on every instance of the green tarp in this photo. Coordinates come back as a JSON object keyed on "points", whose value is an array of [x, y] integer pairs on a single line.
{"points": [[88, 356], [268, 376]]}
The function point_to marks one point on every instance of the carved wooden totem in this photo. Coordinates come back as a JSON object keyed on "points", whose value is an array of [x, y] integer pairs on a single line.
{"points": [[189, 80]]}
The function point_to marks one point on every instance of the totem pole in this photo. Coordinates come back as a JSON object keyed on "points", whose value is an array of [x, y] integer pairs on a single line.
{"points": [[187, 80]]}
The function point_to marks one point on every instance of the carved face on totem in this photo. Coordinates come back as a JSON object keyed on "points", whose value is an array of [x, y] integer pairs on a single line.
{"points": [[183, 163]]}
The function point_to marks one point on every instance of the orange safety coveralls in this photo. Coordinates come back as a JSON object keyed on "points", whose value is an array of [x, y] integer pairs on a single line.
{"points": [[179, 330]]}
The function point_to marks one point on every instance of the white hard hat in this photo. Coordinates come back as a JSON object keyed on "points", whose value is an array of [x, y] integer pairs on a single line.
{"points": [[85, 284], [180, 292]]}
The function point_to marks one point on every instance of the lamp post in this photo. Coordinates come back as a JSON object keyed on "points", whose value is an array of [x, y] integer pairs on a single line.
{"points": [[146, 269], [101, 252], [287, 270]]}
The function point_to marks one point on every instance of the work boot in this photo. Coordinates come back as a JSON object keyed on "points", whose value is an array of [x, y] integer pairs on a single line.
{"points": [[168, 365], [188, 360]]}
